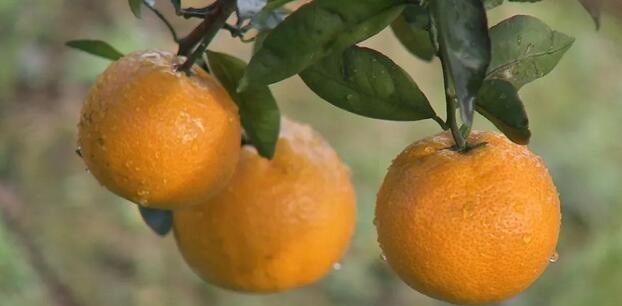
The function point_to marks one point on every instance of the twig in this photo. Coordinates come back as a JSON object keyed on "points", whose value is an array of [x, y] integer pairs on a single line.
{"points": [[60, 293], [192, 12], [204, 33]]}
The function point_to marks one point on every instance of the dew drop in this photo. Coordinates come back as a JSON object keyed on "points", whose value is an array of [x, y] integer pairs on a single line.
{"points": [[554, 258], [79, 152], [527, 238], [467, 211], [349, 97], [337, 266], [383, 257]]}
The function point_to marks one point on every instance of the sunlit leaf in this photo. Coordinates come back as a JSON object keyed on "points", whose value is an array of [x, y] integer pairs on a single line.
{"points": [[525, 49], [366, 82], [249, 8], [95, 47], [314, 31], [259, 112]]}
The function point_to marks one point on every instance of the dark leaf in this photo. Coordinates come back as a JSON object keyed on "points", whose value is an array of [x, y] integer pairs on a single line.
{"points": [[499, 102], [259, 39], [366, 82], [525, 49], [412, 30], [490, 4], [593, 7], [135, 6], [95, 47], [176, 4], [417, 16], [314, 31], [259, 112], [160, 221], [464, 48]]}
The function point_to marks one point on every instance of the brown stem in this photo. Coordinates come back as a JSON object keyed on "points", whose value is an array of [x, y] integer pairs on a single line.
{"points": [[213, 21], [60, 293], [187, 43]]}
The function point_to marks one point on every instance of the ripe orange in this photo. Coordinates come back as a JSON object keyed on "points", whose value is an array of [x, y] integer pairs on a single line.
{"points": [[468, 228], [279, 224], [156, 136]]}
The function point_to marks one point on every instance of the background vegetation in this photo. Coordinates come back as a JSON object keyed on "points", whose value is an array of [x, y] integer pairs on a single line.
{"points": [[101, 250]]}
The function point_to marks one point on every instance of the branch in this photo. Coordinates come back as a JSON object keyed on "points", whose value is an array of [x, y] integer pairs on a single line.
{"points": [[60, 293], [205, 32]]}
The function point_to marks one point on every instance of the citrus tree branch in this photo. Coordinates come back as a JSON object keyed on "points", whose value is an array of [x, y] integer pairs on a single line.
{"points": [[214, 19], [60, 293]]}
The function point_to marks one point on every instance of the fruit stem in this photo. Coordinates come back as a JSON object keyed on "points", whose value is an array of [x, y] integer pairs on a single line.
{"points": [[205, 32], [461, 143]]}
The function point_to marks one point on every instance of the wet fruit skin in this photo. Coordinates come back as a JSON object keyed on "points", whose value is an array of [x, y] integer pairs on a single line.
{"points": [[156, 136], [280, 223], [468, 228]]}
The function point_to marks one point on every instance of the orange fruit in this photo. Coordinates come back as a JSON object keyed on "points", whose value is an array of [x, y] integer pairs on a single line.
{"points": [[468, 228], [158, 137], [279, 224]]}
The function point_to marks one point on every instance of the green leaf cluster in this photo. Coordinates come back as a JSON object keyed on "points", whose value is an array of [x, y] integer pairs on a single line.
{"points": [[483, 67]]}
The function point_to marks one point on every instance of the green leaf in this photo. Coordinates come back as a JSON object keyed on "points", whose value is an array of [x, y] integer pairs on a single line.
{"points": [[313, 32], [490, 4], [160, 221], [499, 102], [411, 29], [95, 47], [464, 48], [135, 6], [259, 112], [525, 49], [593, 7], [176, 5], [365, 82], [259, 39]]}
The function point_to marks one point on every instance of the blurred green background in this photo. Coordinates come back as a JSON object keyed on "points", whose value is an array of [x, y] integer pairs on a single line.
{"points": [[100, 249]]}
